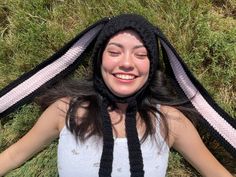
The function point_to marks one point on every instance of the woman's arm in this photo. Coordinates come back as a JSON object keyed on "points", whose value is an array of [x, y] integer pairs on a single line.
{"points": [[186, 140], [43, 132]]}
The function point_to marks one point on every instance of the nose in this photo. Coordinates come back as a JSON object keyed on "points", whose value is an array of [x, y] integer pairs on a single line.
{"points": [[126, 62]]}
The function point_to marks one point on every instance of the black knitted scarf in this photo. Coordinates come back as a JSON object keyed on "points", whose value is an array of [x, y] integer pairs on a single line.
{"points": [[146, 32], [21, 91]]}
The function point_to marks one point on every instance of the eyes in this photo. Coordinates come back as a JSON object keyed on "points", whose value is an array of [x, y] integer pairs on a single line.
{"points": [[141, 55], [113, 53], [138, 53]]}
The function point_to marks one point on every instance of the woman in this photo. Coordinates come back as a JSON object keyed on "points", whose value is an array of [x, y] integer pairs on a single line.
{"points": [[121, 122]]}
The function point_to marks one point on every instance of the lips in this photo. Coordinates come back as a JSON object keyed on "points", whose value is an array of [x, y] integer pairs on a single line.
{"points": [[125, 76]]}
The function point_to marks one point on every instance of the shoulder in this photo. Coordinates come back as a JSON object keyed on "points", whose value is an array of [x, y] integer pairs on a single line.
{"points": [[61, 104], [186, 140], [60, 108], [174, 117], [176, 121], [56, 112]]}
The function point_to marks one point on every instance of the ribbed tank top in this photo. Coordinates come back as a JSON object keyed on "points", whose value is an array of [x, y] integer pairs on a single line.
{"points": [[77, 159]]}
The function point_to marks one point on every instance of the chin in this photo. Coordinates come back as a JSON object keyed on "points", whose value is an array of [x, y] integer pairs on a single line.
{"points": [[123, 94]]}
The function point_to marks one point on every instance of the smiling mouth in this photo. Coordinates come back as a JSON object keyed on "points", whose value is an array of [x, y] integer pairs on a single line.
{"points": [[125, 76]]}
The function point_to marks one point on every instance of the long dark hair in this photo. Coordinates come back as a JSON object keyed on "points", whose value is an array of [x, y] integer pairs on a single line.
{"points": [[81, 93]]}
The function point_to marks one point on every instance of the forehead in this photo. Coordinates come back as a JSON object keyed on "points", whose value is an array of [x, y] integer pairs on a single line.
{"points": [[126, 35]]}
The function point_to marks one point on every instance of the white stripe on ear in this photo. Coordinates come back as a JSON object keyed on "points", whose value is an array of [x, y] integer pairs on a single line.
{"points": [[47, 73], [204, 108]]}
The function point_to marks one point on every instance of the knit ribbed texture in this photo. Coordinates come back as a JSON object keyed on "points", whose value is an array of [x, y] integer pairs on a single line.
{"points": [[146, 32], [108, 142], [19, 92], [135, 154], [119, 23]]}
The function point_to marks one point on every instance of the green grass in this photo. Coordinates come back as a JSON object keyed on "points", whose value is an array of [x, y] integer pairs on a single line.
{"points": [[203, 32]]}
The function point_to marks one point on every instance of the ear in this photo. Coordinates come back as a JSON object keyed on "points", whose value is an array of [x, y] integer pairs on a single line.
{"points": [[66, 60], [219, 123]]}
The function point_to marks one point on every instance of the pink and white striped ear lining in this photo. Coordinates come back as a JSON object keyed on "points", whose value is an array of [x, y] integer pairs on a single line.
{"points": [[47, 73], [220, 124], [220, 127]]}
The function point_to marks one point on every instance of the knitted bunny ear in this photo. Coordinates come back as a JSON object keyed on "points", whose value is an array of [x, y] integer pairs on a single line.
{"points": [[26, 87], [219, 123]]}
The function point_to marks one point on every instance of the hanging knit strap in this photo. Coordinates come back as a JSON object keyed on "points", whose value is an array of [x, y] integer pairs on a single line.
{"points": [[108, 142], [135, 154]]}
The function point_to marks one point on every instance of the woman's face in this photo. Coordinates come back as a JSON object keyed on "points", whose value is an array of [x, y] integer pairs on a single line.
{"points": [[125, 64]]}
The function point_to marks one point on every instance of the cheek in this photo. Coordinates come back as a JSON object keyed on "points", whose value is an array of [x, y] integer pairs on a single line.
{"points": [[144, 67], [106, 66], [107, 63]]}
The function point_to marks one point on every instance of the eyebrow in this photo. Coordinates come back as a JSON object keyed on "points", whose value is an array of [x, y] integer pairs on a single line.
{"points": [[121, 46]]}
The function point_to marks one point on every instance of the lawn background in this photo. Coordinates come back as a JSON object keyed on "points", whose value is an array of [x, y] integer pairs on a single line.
{"points": [[203, 32]]}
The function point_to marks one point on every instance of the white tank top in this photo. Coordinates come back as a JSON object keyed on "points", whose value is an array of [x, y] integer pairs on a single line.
{"points": [[77, 159]]}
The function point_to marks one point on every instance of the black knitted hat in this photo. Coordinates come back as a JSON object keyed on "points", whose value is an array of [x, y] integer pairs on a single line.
{"points": [[144, 29], [21, 91]]}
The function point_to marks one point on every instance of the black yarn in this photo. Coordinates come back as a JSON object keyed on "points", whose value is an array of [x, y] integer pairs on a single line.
{"points": [[149, 36], [146, 32], [134, 148], [135, 154], [108, 142], [116, 24]]}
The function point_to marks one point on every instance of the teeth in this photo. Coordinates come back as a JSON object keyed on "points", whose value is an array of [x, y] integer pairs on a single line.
{"points": [[125, 76]]}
